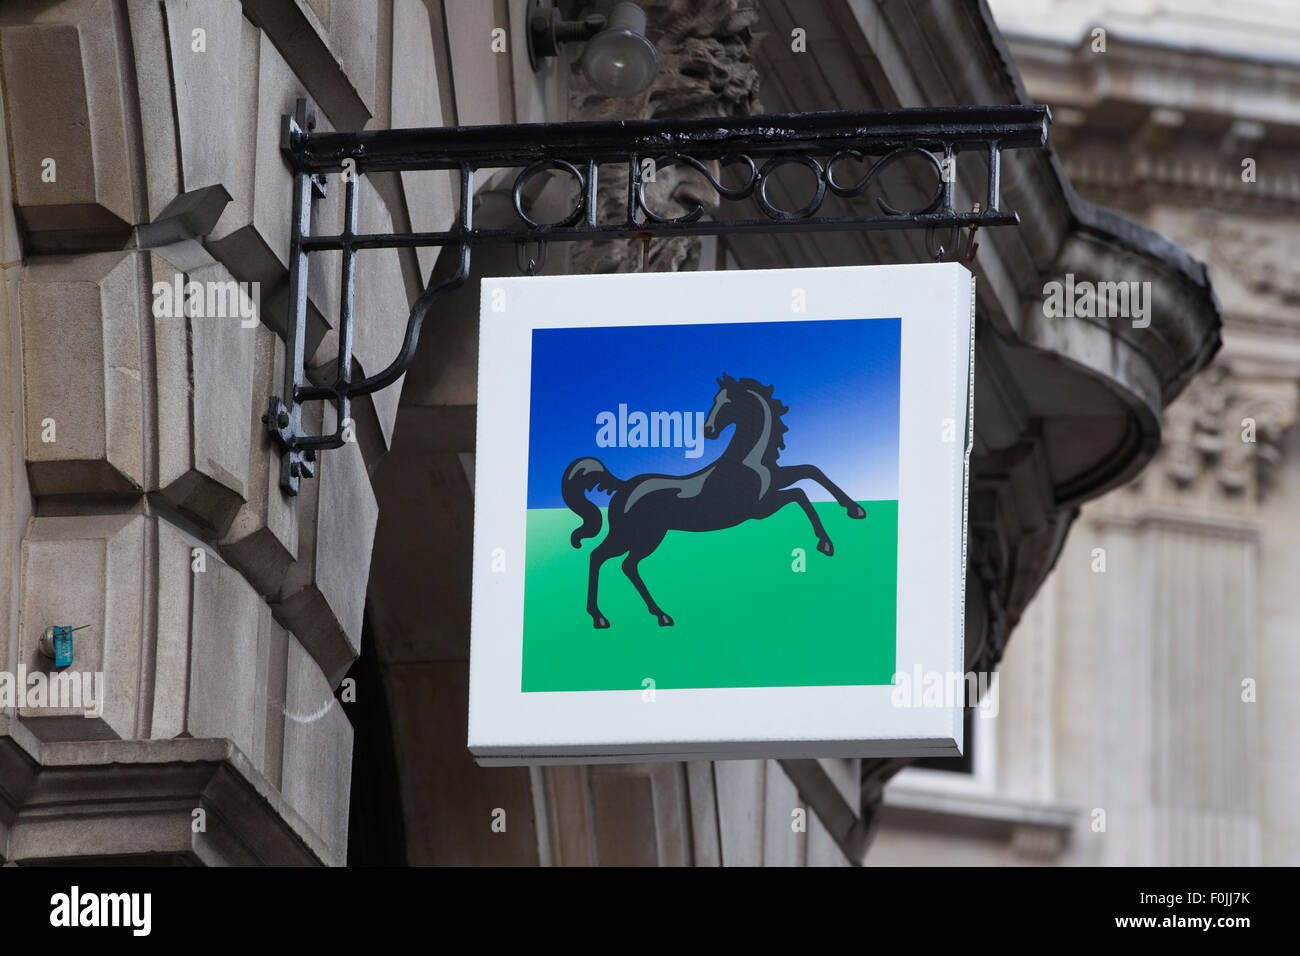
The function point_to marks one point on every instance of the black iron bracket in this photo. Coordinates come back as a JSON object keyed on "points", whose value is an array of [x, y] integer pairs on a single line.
{"points": [[752, 148]]}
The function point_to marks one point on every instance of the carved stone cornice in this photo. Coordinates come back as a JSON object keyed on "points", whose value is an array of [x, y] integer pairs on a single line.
{"points": [[132, 800], [1169, 107], [1124, 178]]}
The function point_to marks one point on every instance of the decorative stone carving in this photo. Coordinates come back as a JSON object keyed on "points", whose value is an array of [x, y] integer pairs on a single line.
{"points": [[1228, 427], [1257, 264], [705, 69]]}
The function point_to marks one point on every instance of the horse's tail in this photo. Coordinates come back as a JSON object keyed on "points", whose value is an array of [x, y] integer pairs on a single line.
{"points": [[579, 478]]}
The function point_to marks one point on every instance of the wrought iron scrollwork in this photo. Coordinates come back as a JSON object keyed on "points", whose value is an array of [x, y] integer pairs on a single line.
{"points": [[823, 143], [742, 191], [755, 184], [879, 166], [516, 193]]}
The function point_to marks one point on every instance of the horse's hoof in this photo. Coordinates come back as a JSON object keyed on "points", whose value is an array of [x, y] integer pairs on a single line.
{"points": [[825, 547], [598, 621], [856, 511], [665, 620]]}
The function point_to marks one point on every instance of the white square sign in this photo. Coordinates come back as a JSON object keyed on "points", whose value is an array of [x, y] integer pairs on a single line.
{"points": [[721, 514]]}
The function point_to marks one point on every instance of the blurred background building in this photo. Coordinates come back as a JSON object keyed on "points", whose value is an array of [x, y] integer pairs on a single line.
{"points": [[307, 690], [1153, 698]]}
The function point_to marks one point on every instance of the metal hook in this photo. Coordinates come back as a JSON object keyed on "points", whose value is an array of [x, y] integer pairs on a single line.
{"points": [[963, 249], [971, 246], [937, 252], [534, 262]]}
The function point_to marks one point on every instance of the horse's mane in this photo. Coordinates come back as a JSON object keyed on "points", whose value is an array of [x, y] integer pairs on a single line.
{"points": [[777, 407]]}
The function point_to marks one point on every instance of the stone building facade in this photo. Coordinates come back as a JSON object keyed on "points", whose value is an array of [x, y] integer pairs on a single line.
{"points": [[1145, 702], [285, 679]]}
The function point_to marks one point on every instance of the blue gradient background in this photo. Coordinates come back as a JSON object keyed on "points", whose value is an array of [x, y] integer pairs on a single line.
{"points": [[840, 379]]}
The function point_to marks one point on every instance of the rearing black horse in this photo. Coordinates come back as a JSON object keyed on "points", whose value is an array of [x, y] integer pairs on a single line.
{"points": [[745, 482]]}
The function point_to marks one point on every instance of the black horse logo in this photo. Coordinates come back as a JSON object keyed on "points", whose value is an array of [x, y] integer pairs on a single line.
{"points": [[745, 482]]}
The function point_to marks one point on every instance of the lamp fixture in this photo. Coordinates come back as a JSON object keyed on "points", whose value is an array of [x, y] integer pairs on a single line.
{"points": [[619, 59]]}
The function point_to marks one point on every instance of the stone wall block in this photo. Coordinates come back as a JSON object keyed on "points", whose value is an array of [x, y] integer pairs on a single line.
{"points": [[317, 752], [85, 571], [323, 596], [262, 539], [190, 130], [353, 29], [153, 79], [431, 195], [176, 563], [332, 46], [66, 104], [205, 377], [251, 237], [272, 676], [81, 355], [225, 639], [207, 70], [220, 659]]}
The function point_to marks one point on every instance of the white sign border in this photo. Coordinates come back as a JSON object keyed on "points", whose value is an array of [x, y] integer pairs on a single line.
{"points": [[508, 726]]}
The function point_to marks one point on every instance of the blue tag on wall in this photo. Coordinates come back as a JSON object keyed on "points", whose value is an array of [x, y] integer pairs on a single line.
{"points": [[62, 646]]}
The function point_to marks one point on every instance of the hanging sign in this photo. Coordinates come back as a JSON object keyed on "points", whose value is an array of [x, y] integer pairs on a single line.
{"points": [[720, 514]]}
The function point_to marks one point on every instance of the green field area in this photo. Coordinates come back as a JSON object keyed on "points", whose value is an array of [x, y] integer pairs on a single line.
{"points": [[743, 616]]}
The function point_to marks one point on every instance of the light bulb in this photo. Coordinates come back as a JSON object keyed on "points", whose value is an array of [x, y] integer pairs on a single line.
{"points": [[620, 60]]}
